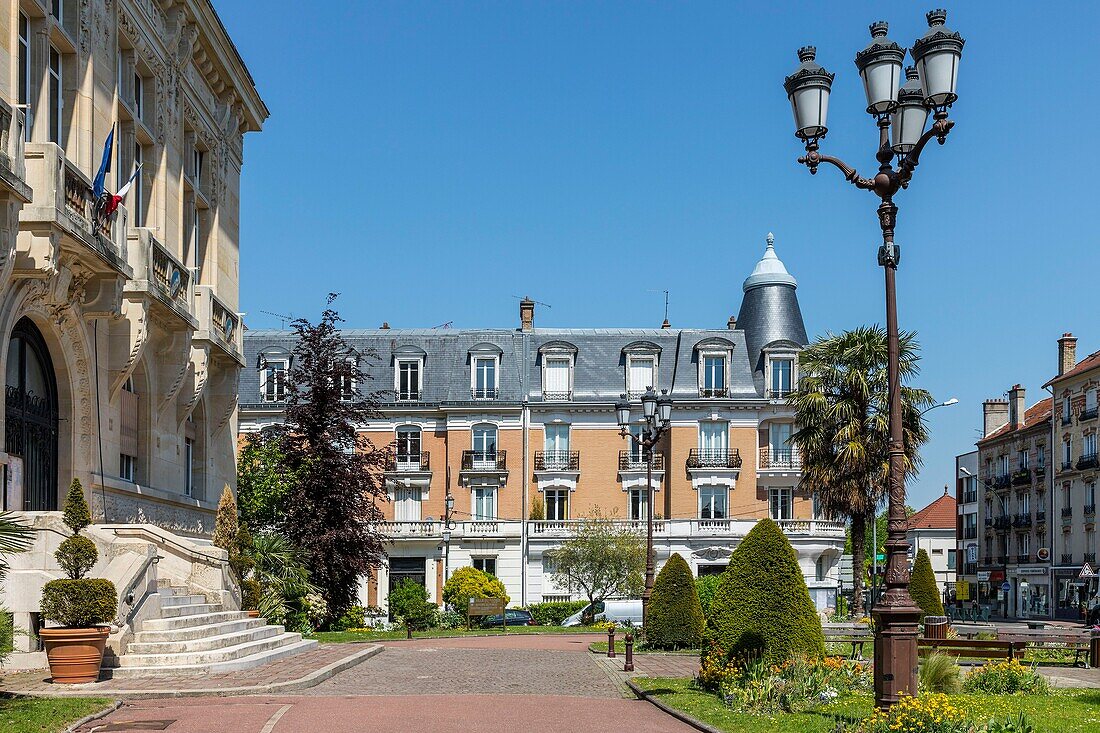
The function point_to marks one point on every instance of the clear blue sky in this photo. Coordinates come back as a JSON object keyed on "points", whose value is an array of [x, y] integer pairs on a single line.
{"points": [[431, 160]]}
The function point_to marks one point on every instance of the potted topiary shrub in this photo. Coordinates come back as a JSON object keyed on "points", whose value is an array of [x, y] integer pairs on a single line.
{"points": [[81, 606], [251, 592]]}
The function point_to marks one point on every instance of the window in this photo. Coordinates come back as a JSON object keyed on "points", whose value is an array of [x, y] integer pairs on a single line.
{"points": [[1067, 453], [1002, 462], [1041, 457], [1024, 542], [273, 380], [346, 378], [1090, 495], [485, 446], [128, 431], [781, 377], [951, 559], [139, 95], [556, 447], [1089, 448], [188, 467], [137, 196], [198, 157], [714, 375], [1021, 460], [641, 375], [1065, 410], [713, 502], [557, 383], [1065, 496], [57, 9], [557, 504], [127, 467], [408, 380], [713, 441], [486, 564], [638, 504], [637, 455], [56, 101], [25, 75], [779, 436], [781, 503], [191, 255], [485, 503], [408, 449], [970, 526], [818, 512], [819, 569], [549, 567], [485, 377], [1024, 501], [407, 503]]}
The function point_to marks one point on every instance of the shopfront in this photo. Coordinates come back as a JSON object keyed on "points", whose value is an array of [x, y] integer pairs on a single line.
{"points": [[1073, 590], [989, 593], [1031, 588]]}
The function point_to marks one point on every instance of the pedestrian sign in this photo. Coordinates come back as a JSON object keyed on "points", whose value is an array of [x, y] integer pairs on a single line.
{"points": [[1086, 571]]}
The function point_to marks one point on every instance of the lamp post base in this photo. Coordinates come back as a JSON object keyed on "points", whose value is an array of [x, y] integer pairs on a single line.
{"points": [[896, 659]]}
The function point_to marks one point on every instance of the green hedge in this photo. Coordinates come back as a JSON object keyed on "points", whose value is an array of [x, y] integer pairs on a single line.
{"points": [[79, 604], [552, 613], [762, 608], [705, 587], [674, 619], [923, 587]]}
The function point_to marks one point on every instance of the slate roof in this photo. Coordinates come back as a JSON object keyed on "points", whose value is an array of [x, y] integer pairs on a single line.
{"points": [[940, 514]]}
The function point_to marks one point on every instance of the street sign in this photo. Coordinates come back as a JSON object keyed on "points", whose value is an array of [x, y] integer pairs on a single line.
{"points": [[1086, 571], [962, 591], [880, 557], [983, 576], [972, 553], [1006, 586], [486, 607]]}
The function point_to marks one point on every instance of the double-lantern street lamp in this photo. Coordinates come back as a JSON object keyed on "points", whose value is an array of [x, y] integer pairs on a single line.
{"points": [[448, 525], [901, 113], [657, 413]]}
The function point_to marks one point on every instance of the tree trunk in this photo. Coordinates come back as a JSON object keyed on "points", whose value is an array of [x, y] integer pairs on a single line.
{"points": [[859, 562]]}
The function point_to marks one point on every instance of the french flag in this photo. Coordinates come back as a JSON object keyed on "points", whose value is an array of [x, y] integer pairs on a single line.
{"points": [[110, 206]]}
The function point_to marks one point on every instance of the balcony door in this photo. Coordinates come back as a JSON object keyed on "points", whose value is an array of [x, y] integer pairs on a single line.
{"points": [[31, 414], [408, 449], [714, 441], [485, 446], [556, 446], [779, 437]]}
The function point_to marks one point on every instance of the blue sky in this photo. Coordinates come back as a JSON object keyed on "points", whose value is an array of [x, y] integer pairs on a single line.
{"points": [[430, 161]]}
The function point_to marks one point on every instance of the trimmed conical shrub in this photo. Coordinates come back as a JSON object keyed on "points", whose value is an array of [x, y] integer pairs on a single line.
{"points": [[75, 513], [225, 521], [674, 619], [762, 609], [923, 588]]}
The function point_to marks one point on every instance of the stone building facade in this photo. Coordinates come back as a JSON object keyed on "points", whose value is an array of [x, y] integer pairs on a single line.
{"points": [[519, 426], [120, 337]]}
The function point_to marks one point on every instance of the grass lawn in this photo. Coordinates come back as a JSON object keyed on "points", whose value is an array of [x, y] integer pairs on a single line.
{"points": [[620, 648], [341, 637], [45, 715], [1063, 711]]}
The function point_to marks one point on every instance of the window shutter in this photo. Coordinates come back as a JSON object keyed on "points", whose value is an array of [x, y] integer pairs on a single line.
{"points": [[557, 376], [641, 375], [128, 423]]}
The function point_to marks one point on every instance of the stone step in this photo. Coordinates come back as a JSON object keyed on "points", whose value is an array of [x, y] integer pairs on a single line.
{"points": [[231, 665], [185, 633], [184, 622], [219, 640], [188, 609], [240, 656], [170, 601], [173, 590]]}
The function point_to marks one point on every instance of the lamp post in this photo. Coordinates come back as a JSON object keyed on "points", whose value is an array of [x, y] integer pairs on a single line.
{"points": [[900, 112], [657, 413], [448, 525]]}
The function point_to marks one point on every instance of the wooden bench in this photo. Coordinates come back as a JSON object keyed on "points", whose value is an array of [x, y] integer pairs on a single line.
{"points": [[857, 637], [973, 648], [1076, 643]]}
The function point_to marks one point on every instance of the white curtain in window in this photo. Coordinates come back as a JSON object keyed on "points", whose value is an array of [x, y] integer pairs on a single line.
{"points": [[407, 504], [557, 376], [641, 374], [485, 503], [713, 439], [778, 436], [557, 438]]}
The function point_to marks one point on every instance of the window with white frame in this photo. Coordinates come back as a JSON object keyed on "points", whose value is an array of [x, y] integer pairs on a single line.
{"points": [[1066, 496], [484, 502], [714, 441], [1041, 457], [1024, 543], [1065, 409], [1022, 460], [713, 502], [486, 564], [1089, 446], [346, 379], [273, 380], [484, 446], [1002, 462], [56, 99], [781, 503], [1067, 453], [1090, 399], [555, 447], [24, 91], [557, 378], [639, 504], [712, 381], [780, 451], [818, 512], [407, 450], [557, 504], [1090, 494], [782, 375], [641, 374], [408, 379], [635, 453], [1024, 502], [485, 377], [819, 569], [407, 502], [127, 467]]}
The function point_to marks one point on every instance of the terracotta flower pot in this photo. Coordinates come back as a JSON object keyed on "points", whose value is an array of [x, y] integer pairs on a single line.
{"points": [[75, 655], [254, 614]]}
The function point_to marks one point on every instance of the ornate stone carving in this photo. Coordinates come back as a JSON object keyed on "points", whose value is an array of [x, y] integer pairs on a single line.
{"points": [[128, 337]]}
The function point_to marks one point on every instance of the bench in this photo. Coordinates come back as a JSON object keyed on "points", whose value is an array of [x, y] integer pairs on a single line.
{"points": [[973, 648], [856, 636], [1076, 643]]}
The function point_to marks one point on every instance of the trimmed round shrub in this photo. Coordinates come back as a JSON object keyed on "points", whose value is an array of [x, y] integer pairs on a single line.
{"points": [[469, 582], [674, 619], [409, 605], [76, 555], [79, 603], [75, 512], [251, 592], [762, 608], [923, 588], [553, 613], [705, 587]]}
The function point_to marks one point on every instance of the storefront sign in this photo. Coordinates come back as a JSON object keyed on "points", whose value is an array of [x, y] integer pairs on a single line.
{"points": [[1006, 586], [983, 576], [996, 575], [1043, 554], [1030, 571], [962, 591]]}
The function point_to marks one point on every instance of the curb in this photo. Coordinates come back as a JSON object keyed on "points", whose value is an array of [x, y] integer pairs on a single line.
{"points": [[679, 715], [693, 653], [312, 679], [94, 716]]}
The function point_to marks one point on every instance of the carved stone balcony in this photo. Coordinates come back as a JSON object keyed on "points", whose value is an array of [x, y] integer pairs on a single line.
{"points": [[218, 325], [158, 273], [13, 168]]}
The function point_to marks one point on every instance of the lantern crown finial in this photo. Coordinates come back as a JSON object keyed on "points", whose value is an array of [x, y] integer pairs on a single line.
{"points": [[879, 29], [911, 73], [807, 53], [936, 17]]}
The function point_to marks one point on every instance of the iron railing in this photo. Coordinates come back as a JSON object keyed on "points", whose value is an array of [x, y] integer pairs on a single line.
{"points": [[1023, 558], [1022, 521], [1086, 461], [713, 392], [402, 462], [1087, 414], [484, 393], [700, 458], [1090, 510], [1090, 557], [1067, 511], [1040, 516], [556, 396], [635, 461], [970, 533], [1067, 558], [779, 457], [1023, 476], [557, 460], [475, 460]]}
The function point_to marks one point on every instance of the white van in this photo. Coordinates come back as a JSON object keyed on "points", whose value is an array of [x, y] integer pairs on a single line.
{"points": [[621, 612]]}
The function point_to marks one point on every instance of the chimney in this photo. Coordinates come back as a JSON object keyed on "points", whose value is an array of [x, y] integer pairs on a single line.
{"points": [[731, 324], [527, 314], [1016, 406], [1067, 353], [995, 414], [666, 324], [385, 325]]}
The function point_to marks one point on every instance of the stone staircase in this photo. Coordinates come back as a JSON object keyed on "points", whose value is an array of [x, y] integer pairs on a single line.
{"points": [[194, 637]]}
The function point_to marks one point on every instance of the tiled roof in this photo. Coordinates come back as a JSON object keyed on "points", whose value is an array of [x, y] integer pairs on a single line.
{"points": [[1034, 415], [940, 514], [1091, 361]]}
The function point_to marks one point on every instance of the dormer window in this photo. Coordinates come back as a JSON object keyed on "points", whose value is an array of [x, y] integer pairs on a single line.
{"points": [[346, 379], [714, 375], [780, 376], [408, 379], [484, 378], [558, 358], [641, 374], [273, 372]]}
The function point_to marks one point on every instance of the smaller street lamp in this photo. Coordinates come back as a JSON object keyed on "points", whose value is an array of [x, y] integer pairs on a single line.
{"points": [[657, 413], [448, 525]]}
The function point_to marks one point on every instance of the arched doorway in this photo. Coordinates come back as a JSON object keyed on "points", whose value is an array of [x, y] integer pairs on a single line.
{"points": [[31, 418]]}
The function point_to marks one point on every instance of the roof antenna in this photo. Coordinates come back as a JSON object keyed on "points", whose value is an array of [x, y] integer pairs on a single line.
{"points": [[283, 320], [538, 302], [666, 323], [444, 325]]}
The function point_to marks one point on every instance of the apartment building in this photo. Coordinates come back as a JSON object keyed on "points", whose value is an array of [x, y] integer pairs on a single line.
{"points": [[1013, 520], [966, 530], [519, 427], [1075, 476]]}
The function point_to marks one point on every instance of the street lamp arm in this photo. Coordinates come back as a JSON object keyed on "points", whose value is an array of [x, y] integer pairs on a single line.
{"points": [[939, 130], [813, 158]]}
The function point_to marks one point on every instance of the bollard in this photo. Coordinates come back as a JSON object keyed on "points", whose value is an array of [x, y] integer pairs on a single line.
{"points": [[408, 631], [629, 641], [1094, 650], [610, 642]]}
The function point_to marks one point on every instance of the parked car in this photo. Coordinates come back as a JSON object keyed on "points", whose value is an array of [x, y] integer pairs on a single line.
{"points": [[621, 612], [516, 617]]}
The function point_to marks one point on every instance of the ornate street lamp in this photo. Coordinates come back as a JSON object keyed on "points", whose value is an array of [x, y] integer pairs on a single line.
{"points": [[448, 526], [936, 56], [657, 413]]}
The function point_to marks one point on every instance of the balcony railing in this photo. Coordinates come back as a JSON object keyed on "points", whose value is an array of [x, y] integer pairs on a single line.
{"points": [[408, 395], [987, 560], [217, 323], [773, 458], [408, 462], [557, 460], [1067, 465], [157, 270], [1089, 414], [492, 461], [1002, 559], [568, 527], [1021, 477], [969, 497], [1023, 558], [1067, 511], [970, 533], [811, 527], [1090, 557], [779, 394], [970, 568], [692, 527], [698, 458], [1067, 558], [634, 461], [1090, 510], [713, 392], [484, 393], [12, 138], [1002, 522], [1040, 516], [1002, 482], [1021, 521], [1086, 461], [556, 396]]}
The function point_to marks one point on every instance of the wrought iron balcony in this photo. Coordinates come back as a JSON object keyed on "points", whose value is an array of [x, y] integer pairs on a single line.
{"points": [[408, 462], [1002, 559], [484, 393], [1021, 477], [487, 461], [969, 497], [713, 392], [1021, 521], [408, 395], [774, 458], [1023, 559], [1040, 516], [1002, 522], [1067, 419], [987, 560], [635, 461], [713, 458], [557, 460], [1067, 511], [1090, 510], [970, 568], [1067, 558], [1089, 414], [1090, 557], [1067, 465], [970, 533], [1002, 482], [556, 396], [1040, 470], [1086, 461]]}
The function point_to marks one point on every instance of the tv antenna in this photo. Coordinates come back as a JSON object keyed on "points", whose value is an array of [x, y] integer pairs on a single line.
{"points": [[444, 325], [283, 320], [537, 302], [666, 301]]}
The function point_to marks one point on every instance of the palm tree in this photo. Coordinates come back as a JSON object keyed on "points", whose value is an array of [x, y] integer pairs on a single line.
{"points": [[842, 408], [14, 537], [281, 572]]}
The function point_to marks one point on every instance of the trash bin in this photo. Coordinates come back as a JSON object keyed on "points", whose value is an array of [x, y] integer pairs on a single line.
{"points": [[935, 627]]}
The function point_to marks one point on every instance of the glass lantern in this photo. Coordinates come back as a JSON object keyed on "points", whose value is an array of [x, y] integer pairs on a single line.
{"points": [[808, 90], [937, 55], [879, 67]]}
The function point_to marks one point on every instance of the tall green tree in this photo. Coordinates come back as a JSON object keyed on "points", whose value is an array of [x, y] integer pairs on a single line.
{"points": [[923, 588], [330, 475], [842, 410], [604, 559]]}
